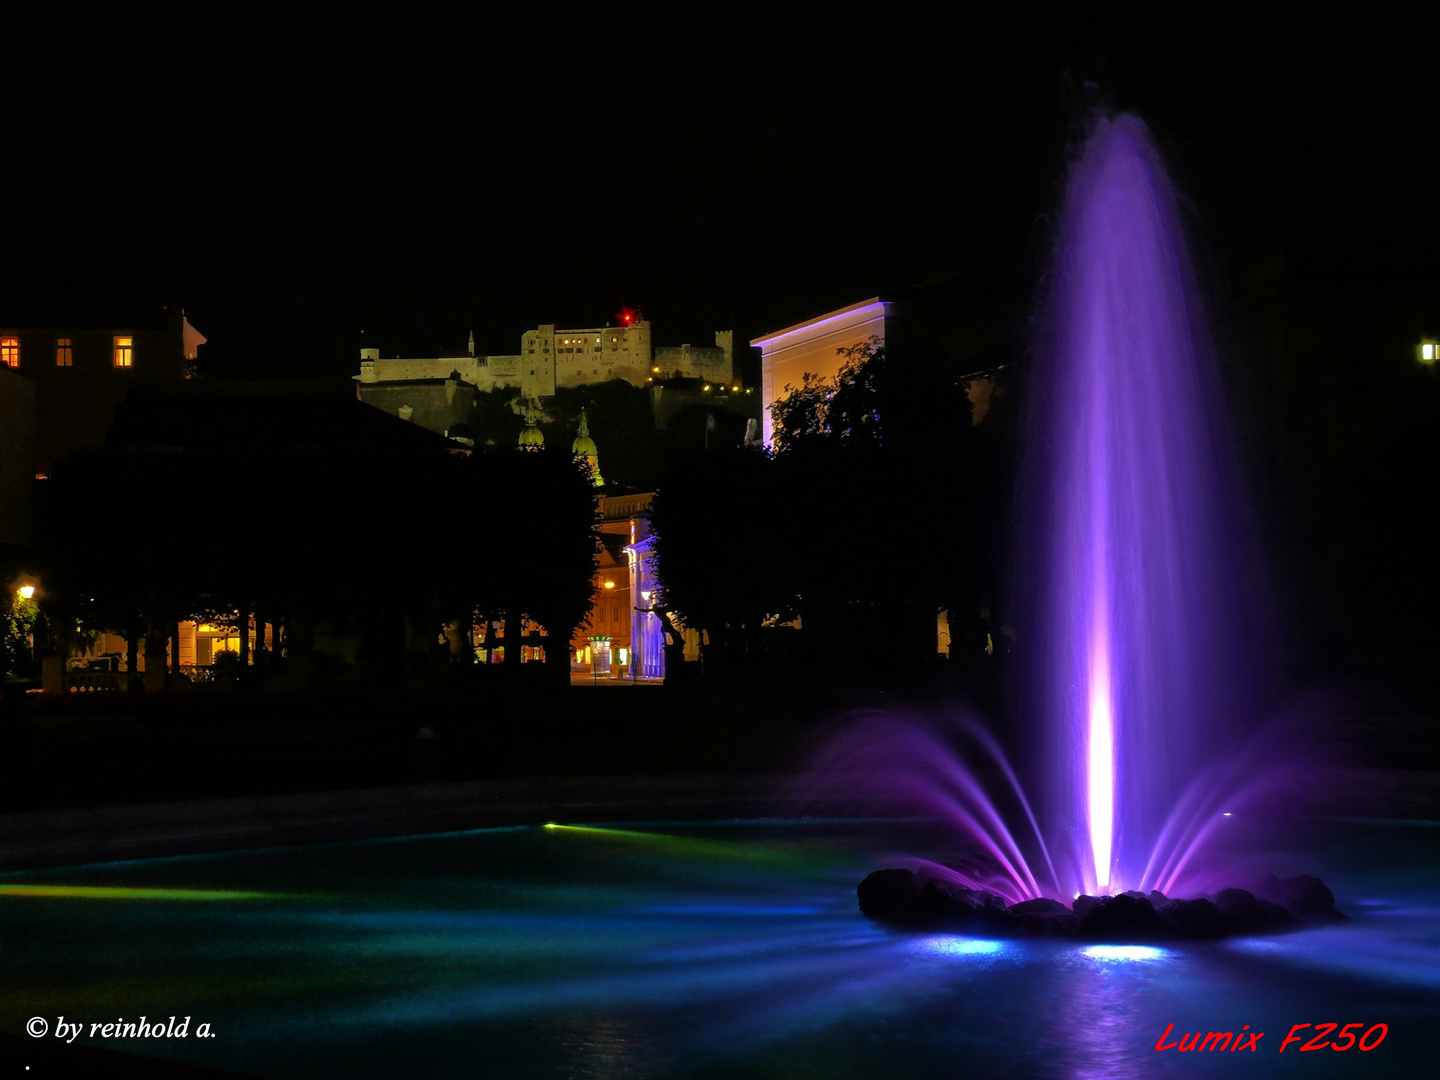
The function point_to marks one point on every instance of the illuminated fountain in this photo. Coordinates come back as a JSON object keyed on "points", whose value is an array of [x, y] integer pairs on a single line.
{"points": [[1136, 557], [1136, 548]]}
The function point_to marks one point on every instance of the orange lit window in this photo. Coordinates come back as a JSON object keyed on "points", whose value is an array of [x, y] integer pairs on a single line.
{"points": [[124, 350], [10, 351], [63, 356]]}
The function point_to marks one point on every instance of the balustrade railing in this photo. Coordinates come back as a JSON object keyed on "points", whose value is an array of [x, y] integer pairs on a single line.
{"points": [[90, 680]]}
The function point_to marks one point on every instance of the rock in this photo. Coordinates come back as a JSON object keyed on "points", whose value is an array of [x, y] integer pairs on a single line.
{"points": [[1196, 919], [1123, 918], [1305, 897], [1046, 918], [887, 895], [1246, 914], [943, 905], [1041, 906], [903, 898]]}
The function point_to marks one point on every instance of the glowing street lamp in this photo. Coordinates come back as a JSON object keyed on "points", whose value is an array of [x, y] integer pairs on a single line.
{"points": [[26, 592]]}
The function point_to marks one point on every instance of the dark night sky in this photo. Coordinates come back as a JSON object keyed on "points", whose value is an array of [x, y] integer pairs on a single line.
{"points": [[294, 180]]}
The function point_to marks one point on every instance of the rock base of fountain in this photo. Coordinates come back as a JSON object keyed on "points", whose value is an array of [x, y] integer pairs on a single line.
{"points": [[904, 899]]}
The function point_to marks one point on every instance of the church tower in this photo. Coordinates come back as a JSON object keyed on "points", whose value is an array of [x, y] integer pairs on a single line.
{"points": [[531, 437], [584, 446]]}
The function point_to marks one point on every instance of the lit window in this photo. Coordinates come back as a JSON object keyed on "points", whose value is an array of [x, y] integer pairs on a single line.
{"points": [[124, 350], [63, 355], [1429, 352], [10, 351]]}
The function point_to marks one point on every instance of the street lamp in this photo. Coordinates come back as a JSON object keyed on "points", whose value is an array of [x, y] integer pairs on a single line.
{"points": [[26, 592]]}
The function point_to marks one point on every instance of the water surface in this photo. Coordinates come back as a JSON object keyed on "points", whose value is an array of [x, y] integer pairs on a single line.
{"points": [[721, 950]]}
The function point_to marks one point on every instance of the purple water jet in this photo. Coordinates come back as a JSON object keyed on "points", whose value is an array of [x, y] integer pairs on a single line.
{"points": [[1135, 560], [1137, 592]]}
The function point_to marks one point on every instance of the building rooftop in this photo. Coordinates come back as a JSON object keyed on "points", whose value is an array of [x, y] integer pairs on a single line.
{"points": [[820, 320]]}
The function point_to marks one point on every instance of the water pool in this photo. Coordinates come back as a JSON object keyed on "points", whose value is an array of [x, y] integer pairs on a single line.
{"points": [[719, 950]]}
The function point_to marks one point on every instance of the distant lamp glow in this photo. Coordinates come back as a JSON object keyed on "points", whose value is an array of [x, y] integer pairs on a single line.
{"points": [[1225, 814], [550, 824], [645, 595], [27, 592], [1429, 351], [609, 584]]}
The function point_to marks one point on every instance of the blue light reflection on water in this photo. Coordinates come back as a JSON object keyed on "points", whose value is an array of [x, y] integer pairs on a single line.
{"points": [[964, 946], [646, 959]]}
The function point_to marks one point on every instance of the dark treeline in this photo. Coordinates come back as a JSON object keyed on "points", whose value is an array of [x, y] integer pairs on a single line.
{"points": [[880, 505], [388, 542], [636, 453]]}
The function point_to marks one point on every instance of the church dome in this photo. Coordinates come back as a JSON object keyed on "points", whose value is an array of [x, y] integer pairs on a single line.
{"points": [[531, 437], [583, 444]]}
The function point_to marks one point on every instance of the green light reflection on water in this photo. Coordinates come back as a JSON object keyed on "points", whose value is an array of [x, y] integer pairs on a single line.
{"points": [[110, 892]]}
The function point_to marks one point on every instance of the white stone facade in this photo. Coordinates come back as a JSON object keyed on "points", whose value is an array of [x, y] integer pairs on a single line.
{"points": [[550, 357]]}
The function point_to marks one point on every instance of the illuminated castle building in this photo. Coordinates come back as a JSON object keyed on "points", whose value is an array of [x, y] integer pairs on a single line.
{"points": [[550, 357]]}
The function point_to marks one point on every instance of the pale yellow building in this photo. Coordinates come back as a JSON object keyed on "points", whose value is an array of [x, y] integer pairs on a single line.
{"points": [[813, 347]]}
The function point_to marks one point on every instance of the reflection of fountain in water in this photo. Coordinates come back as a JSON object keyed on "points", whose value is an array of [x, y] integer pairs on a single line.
{"points": [[1136, 566]]}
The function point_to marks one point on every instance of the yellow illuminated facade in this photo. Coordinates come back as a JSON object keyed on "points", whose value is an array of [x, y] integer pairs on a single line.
{"points": [[813, 347]]}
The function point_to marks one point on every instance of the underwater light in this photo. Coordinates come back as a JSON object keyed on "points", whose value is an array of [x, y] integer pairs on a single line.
{"points": [[1124, 952]]}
